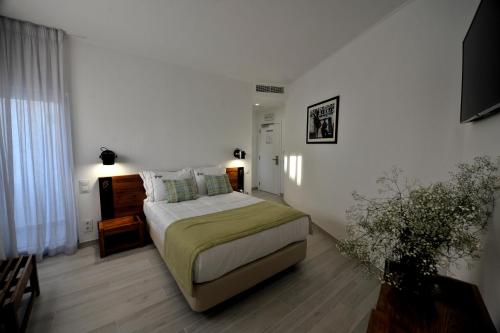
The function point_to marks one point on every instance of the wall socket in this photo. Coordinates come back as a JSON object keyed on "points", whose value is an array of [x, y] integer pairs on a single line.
{"points": [[88, 225]]}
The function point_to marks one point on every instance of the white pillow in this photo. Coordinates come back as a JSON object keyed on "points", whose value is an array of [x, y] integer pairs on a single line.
{"points": [[159, 190], [153, 182], [147, 181], [200, 173]]}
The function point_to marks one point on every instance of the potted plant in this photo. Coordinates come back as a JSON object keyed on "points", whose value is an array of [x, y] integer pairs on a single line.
{"points": [[410, 230]]}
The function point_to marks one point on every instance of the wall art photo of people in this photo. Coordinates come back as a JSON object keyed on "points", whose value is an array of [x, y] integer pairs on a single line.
{"points": [[322, 121]]}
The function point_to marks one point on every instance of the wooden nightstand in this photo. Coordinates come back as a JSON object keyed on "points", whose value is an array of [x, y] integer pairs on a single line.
{"points": [[119, 234]]}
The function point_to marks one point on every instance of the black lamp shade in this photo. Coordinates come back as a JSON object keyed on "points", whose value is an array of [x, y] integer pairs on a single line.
{"points": [[239, 154], [107, 156]]}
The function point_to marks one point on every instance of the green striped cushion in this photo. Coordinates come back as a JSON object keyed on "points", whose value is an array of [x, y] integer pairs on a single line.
{"points": [[180, 190], [218, 184]]}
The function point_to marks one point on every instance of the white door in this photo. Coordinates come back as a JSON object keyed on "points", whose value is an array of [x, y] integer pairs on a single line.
{"points": [[270, 158]]}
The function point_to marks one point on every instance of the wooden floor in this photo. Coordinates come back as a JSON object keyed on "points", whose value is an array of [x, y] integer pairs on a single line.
{"points": [[267, 196], [134, 292]]}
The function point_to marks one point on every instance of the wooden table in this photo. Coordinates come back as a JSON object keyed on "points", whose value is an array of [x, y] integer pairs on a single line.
{"points": [[119, 234], [15, 274], [458, 307]]}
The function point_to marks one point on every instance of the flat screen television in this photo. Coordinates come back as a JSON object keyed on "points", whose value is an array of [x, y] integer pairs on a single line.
{"points": [[481, 64]]}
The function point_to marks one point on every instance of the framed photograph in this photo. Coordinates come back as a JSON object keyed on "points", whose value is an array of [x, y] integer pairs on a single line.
{"points": [[323, 121]]}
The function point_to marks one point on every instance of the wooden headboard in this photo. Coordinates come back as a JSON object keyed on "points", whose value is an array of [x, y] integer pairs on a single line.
{"points": [[121, 196], [236, 177], [124, 195]]}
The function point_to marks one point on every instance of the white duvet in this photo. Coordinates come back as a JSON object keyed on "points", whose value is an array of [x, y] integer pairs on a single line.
{"points": [[219, 260]]}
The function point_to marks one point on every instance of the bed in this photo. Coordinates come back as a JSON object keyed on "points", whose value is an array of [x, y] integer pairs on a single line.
{"points": [[226, 269]]}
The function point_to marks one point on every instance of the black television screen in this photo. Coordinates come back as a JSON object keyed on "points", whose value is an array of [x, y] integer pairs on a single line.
{"points": [[481, 64]]}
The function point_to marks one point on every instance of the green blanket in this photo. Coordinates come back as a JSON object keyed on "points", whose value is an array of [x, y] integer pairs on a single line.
{"points": [[187, 238]]}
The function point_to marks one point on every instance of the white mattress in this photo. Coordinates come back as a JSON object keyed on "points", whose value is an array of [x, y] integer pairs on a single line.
{"points": [[219, 260]]}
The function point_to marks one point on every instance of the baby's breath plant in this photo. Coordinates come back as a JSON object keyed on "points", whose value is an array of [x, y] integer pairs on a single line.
{"points": [[412, 230]]}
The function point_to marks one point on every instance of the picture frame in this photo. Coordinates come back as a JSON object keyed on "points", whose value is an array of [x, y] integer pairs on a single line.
{"points": [[323, 121]]}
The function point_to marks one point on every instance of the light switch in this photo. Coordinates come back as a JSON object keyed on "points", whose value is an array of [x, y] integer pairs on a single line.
{"points": [[83, 184]]}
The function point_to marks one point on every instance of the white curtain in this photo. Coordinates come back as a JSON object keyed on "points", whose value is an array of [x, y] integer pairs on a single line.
{"points": [[37, 199]]}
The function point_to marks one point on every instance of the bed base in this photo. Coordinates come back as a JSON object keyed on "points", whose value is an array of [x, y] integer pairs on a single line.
{"points": [[208, 294], [211, 293]]}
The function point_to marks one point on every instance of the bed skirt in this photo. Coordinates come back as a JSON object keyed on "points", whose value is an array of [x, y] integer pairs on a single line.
{"points": [[208, 294], [211, 293]]}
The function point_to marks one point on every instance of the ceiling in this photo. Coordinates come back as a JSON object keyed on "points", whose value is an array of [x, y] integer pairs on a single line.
{"points": [[272, 41]]}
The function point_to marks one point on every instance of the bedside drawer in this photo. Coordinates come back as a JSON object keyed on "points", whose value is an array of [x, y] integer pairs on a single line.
{"points": [[119, 234]]}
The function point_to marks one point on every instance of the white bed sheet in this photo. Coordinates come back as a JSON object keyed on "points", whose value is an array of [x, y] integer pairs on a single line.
{"points": [[219, 260]]}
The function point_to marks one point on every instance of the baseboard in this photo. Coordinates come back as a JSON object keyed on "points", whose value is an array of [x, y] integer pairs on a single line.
{"points": [[317, 227], [87, 243]]}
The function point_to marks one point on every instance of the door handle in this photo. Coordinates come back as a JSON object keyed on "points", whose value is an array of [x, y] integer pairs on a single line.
{"points": [[276, 160]]}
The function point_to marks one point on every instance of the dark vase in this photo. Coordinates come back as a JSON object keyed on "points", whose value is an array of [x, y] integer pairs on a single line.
{"points": [[408, 277], [418, 290]]}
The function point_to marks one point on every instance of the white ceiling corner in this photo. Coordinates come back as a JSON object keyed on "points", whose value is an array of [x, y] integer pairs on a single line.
{"points": [[255, 41]]}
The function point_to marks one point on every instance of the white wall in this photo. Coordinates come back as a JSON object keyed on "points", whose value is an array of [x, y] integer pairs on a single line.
{"points": [[258, 120], [399, 85], [255, 138], [153, 115]]}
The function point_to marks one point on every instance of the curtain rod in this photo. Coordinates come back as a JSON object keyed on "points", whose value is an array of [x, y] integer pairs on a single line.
{"points": [[42, 25]]}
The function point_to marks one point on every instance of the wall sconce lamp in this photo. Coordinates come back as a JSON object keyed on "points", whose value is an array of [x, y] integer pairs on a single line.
{"points": [[107, 156], [239, 153]]}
